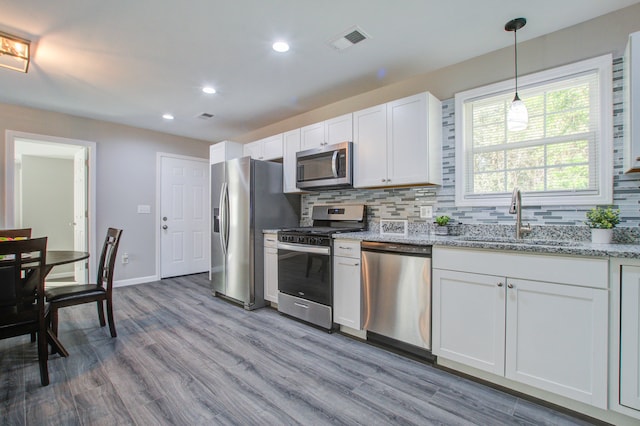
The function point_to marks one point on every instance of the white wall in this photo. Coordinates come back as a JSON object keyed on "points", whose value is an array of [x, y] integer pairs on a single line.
{"points": [[126, 175]]}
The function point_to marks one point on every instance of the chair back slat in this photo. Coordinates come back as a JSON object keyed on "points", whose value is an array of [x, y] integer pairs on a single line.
{"points": [[107, 262]]}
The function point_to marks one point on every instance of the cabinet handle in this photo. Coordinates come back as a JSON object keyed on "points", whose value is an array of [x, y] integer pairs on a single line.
{"points": [[271, 240], [345, 248], [348, 264], [510, 285], [500, 284], [384, 180], [637, 158]]}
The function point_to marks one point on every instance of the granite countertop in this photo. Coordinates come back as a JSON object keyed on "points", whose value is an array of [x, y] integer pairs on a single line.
{"points": [[575, 248]]}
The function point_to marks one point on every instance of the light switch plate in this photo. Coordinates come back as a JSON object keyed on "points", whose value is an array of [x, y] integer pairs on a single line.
{"points": [[426, 212], [144, 208]]}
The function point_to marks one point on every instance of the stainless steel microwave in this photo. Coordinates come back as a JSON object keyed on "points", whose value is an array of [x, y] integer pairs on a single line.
{"points": [[328, 167]]}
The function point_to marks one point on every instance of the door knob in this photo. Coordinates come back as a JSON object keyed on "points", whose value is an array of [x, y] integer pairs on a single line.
{"points": [[165, 227]]}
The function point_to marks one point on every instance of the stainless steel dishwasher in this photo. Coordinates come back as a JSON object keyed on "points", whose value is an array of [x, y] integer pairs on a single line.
{"points": [[396, 280]]}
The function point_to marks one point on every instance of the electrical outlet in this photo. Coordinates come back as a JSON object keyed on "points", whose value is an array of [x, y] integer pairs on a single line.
{"points": [[426, 212], [125, 258]]}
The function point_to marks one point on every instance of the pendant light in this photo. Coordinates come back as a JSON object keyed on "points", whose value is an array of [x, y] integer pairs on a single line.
{"points": [[517, 117]]}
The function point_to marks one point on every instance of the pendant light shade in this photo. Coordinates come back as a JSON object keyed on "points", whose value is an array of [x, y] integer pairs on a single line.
{"points": [[517, 116]]}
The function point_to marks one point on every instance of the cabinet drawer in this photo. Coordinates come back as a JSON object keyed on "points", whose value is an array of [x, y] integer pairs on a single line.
{"points": [[271, 240], [573, 270], [346, 248]]}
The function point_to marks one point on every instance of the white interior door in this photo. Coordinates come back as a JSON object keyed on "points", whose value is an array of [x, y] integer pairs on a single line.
{"points": [[184, 216], [80, 211]]}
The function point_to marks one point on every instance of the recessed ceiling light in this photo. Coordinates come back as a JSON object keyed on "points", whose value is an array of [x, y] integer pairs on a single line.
{"points": [[280, 46], [168, 116], [208, 90]]}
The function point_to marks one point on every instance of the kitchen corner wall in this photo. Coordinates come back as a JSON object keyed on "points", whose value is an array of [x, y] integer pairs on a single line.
{"points": [[404, 203]]}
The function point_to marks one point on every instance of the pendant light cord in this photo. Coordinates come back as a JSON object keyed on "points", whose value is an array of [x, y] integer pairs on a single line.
{"points": [[515, 47]]}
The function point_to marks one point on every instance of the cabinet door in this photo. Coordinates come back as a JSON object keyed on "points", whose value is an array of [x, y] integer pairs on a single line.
{"points": [[347, 292], [339, 129], [370, 147], [272, 147], [556, 339], [407, 141], [468, 319], [630, 337], [225, 150], [271, 274], [312, 136], [631, 109], [253, 150], [291, 147]]}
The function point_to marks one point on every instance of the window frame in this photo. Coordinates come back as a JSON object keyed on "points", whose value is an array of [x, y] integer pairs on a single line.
{"points": [[603, 65]]}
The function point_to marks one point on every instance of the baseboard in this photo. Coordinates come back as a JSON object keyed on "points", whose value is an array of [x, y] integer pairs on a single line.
{"points": [[134, 281]]}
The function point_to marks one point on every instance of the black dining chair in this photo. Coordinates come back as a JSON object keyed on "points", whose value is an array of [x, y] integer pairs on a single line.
{"points": [[22, 306], [101, 292]]}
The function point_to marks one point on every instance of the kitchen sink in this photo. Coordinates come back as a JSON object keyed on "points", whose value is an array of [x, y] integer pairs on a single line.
{"points": [[524, 241]]}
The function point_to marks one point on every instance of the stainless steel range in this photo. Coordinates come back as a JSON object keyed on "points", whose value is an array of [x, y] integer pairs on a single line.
{"points": [[305, 275]]}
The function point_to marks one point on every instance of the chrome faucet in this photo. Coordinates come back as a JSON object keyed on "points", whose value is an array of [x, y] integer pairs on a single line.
{"points": [[516, 208]]}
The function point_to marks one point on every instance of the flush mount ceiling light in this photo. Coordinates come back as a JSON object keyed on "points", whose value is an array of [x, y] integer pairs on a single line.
{"points": [[168, 116], [517, 117], [209, 90], [14, 52], [280, 46]]}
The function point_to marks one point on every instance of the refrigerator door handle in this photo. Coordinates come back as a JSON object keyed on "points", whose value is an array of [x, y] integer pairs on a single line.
{"points": [[224, 229], [334, 163]]}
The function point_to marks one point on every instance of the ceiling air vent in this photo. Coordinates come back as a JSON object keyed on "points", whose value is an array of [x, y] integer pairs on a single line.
{"points": [[350, 37], [205, 116]]}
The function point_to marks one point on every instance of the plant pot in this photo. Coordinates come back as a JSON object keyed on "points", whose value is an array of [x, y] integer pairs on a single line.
{"points": [[601, 236], [442, 230]]}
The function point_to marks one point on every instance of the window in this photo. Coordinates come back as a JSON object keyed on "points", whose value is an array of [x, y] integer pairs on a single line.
{"points": [[564, 155]]}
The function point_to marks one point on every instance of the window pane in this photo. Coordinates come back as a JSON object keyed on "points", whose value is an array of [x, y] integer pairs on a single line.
{"points": [[568, 123], [492, 134], [488, 161], [567, 99], [569, 178], [526, 180], [489, 182], [525, 157], [568, 153]]}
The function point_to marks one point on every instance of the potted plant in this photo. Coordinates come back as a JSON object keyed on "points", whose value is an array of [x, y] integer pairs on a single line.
{"points": [[441, 222], [602, 221]]}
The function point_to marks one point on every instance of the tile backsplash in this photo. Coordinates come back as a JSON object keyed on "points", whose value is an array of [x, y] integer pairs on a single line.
{"points": [[405, 203]]}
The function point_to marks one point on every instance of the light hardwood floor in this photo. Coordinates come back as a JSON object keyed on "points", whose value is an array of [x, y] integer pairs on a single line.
{"points": [[183, 357]]}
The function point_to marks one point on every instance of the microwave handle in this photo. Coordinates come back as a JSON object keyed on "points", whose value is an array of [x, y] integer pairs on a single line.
{"points": [[334, 163]]}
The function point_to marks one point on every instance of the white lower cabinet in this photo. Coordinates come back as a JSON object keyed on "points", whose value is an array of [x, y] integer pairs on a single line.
{"points": [[271, 267], [630, 337], [535, 319], [347, 293]]}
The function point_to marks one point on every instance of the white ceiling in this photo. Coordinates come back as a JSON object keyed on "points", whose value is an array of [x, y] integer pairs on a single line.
{"points": [[130, 61]]}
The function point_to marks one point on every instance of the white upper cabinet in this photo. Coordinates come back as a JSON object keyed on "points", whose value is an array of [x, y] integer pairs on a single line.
{"points": [[291, 147], [265, 149], [631, 87], [398, 143], [335, 130], [223, 151]]}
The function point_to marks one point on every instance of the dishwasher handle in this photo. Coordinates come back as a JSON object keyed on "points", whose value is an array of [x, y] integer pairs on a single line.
{"points": [[408, 249]]}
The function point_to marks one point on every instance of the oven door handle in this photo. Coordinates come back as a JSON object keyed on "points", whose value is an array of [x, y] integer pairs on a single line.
{"points": [[305, 249]]}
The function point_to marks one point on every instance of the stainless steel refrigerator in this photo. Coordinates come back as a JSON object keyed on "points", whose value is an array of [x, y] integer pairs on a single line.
{"points": [[246, 197]]}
